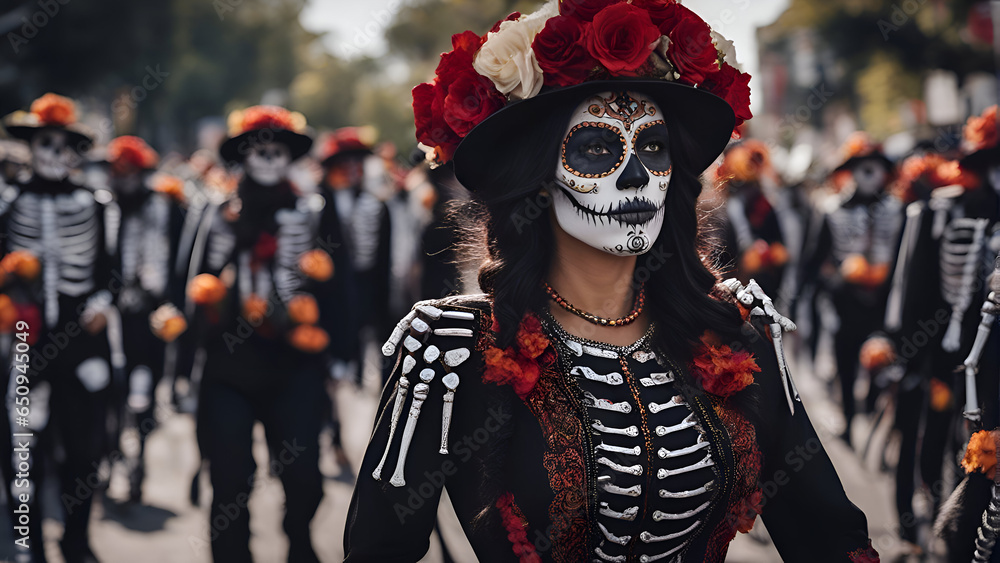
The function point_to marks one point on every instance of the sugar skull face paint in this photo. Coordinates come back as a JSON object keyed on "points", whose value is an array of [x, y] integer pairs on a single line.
{"points": [[613, 173]]}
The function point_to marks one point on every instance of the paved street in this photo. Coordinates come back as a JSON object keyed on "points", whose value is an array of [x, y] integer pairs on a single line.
{"points": [[168, 529]]}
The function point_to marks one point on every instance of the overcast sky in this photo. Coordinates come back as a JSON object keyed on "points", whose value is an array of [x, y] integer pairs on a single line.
{"points": [[355, 27]]}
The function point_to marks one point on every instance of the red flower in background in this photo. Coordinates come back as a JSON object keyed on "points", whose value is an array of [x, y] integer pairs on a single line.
{"points": [[584, 10], [560, 49], [621, 38]]}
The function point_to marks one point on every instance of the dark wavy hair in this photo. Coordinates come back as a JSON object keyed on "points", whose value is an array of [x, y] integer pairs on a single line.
{"points": [[512, 212]]}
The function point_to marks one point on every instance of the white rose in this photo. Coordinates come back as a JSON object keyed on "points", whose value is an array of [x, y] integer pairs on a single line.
{"points": [[507, 58], [725, 46]]}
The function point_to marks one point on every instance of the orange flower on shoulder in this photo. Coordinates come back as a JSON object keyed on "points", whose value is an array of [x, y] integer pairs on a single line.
{"points": [[309, 338], [981, 453], [521, 364], [854, 269], [720, 370], [877, 353], [8, 314], [21, 263], [302, 309], [53, 109], [206, 289], [316, 264]]}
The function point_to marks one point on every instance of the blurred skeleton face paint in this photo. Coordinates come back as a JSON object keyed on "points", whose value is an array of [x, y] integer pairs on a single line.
{"points": [[268, 163], [613, 172], [870, 176], [52, 157]]}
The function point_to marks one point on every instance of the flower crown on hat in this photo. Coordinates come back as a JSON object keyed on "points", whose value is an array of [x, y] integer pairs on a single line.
{"points": [[980, 131], [565, 43], [255, 118], [348, 139], [859, 144], [53, 109], [128, 151]]}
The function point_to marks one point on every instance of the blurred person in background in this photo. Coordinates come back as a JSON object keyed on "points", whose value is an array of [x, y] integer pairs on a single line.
{"points": [[57, 276], [357, 221], [850, 254], [753, 241], [949, 244], [144, 234], [257, 297]]}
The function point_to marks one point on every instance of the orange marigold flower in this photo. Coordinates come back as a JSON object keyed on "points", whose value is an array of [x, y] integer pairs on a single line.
{"points": [[778, 254], [8, 314], [21, 263], [952, 173], [722, 371], [316, 264], [206, 289], [859, 144], [167, 323], [981, 453], [264, 117], [940, 395], [254, 308], [129, 153], [980, 131], [309, 338], [877, 353], [53, 109], [854, 269], [302, 309], [530, 339], [170, 186]]}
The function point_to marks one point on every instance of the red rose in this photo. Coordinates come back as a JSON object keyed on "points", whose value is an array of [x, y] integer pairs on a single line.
{"points": [[621, 38], [658, 10], [734, 87], [470, 100], [584, 10], [429, 99], [691, 49], [560, 51]]}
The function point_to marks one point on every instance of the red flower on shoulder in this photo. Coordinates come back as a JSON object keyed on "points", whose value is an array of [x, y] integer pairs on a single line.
{"points": [[720, 370], [521, 364]]}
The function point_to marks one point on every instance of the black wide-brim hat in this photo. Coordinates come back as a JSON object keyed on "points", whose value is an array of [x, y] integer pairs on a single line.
{"points": [[878, 156], [981, 159], [707, 119], [234, 149], [78, 136]]}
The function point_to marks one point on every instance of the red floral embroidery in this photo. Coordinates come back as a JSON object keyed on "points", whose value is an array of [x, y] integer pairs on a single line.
{"points": [[520, 365], [864, 554], [564, 461], [515, 523], [745, 501], [719, 369]]}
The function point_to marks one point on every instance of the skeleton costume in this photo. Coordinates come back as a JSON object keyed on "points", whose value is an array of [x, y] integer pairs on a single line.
{"points": [[949, 246], [754, 242], [57, 276], [560, 448], [260, 329], [144, 226], [850, 254], [355, 227]]}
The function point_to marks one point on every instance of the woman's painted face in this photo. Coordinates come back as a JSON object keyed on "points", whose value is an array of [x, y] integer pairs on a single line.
{"points": [[613, 172]]}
